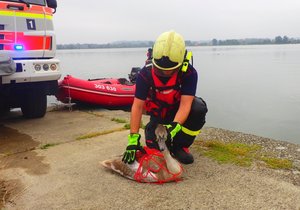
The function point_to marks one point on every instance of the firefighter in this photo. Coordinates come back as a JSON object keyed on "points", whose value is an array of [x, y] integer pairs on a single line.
{"points": [[149, 57], [166, 90]]}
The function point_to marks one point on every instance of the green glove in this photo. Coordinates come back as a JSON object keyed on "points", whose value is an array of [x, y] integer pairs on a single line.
{"points": [[132, 147], [173, 128]]}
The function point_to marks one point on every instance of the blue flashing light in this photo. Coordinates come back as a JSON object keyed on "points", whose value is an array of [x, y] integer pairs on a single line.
{"points": [[18, 47]]}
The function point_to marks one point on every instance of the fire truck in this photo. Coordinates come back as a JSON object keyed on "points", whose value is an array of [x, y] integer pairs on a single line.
{"points": [[29, 70]]}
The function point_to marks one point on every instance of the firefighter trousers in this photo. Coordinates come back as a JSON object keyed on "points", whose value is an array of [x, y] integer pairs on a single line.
{"points": [[190, 129]]}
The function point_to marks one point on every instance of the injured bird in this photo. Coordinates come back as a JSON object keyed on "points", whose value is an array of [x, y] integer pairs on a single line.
{"points": [[153, 166]]}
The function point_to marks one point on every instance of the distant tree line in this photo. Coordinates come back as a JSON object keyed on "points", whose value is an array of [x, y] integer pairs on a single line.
{"points": [[121, 44], [214, 42], [255, 41]]}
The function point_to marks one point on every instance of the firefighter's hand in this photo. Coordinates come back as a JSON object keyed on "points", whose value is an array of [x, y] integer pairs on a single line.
{"points": [[173, 128], [132, 147]]}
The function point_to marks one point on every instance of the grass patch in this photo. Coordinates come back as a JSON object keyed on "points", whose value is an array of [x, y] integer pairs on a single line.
{"points": [[95, 114], [277, 163], [236, 153], [127, 126], [118, 120], [46, 146], [240, 154], [91, 135]]}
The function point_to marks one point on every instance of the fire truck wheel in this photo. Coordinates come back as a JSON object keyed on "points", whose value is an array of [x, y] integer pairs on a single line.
{"points": [[4, 108], [34, 104]]}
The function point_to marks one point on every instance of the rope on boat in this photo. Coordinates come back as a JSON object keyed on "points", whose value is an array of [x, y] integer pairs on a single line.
{"points": [[69, 104]]}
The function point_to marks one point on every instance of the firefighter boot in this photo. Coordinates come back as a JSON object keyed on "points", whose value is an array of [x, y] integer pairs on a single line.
{"points": [[183, 155]]}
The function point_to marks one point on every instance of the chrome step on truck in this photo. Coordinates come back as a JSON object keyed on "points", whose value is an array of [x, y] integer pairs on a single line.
{"points": [[28, 68]]}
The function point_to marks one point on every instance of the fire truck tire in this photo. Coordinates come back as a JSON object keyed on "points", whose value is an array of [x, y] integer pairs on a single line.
{"points": [[4, 108], [34, 104]]}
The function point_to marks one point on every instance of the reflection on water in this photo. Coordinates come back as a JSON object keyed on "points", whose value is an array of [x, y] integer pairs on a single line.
{"points": [[252, 89]]}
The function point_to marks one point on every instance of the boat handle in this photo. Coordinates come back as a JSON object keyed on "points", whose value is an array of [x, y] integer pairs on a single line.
{"points": [[15, 7]]}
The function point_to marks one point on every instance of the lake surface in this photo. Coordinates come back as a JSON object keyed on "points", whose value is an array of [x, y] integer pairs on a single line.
{"points": [[251, 89]]}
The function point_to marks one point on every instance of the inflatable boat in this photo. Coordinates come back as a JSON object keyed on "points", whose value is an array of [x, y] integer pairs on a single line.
{"points": [[107, 92]]}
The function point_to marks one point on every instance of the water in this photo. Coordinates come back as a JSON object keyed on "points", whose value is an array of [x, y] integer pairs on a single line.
{"points": [[252, 89]]}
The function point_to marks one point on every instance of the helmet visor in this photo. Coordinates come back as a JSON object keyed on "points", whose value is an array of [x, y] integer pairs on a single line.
{"points": [[164, 63]]}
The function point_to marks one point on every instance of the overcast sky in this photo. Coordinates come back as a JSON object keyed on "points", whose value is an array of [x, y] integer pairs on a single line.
{"points": [[99, 21]]}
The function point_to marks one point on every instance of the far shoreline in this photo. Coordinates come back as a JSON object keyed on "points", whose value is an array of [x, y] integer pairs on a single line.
{"points": [[83, 46]]}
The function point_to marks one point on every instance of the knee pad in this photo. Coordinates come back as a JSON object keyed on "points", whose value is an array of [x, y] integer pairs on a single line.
{"points": [[196, 118], [199, 107]]}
